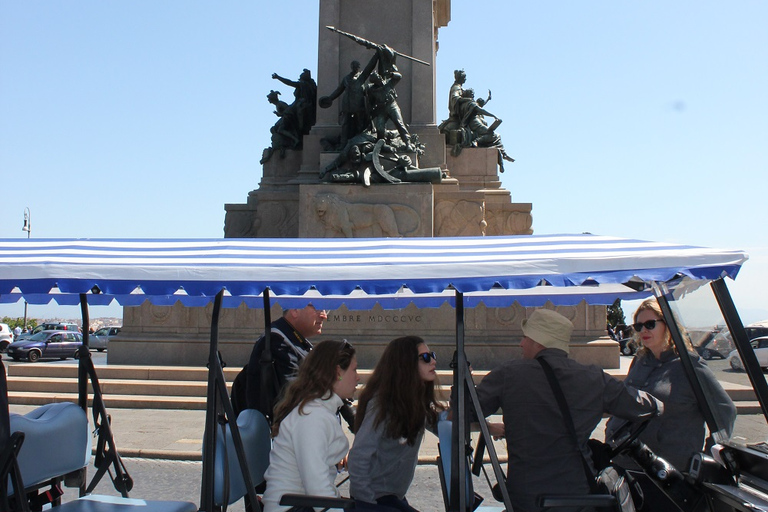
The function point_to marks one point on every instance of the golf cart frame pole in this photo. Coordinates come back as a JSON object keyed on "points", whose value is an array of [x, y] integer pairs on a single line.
{"points": [[662, 297], [219, 411], [106, 454], [460, 440]]}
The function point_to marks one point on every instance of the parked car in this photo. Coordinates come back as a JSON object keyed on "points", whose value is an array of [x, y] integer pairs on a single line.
{"points": [[760, 346], [622, 334], [757, 329], [47, 345], [719, 346], [100, 339], [6, 337], [49, 326], [628, 346]]}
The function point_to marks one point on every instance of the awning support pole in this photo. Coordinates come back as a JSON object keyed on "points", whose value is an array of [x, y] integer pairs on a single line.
{"points": [[460, 433], [461, 438], [265, 360]]}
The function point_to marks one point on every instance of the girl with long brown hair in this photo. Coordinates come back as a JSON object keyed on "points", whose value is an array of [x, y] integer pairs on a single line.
{"points": [[396, 405], [309, 441]]}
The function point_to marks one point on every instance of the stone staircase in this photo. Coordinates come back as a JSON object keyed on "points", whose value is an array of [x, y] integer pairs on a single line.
{"points": [[184, 387], [128, 386]]}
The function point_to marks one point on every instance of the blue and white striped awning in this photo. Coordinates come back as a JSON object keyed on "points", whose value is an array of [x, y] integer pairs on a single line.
{"points": [[534, 269]]}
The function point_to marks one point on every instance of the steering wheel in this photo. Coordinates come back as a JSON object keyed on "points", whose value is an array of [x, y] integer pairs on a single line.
{"points": [[627, 434]]}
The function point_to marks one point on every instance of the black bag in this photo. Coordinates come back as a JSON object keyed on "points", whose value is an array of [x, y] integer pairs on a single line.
{"points": [[269, 391], [269, 386], [237, 394], [601, 453]]}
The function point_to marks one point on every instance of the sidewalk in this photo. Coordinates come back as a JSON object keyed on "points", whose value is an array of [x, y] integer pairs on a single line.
{"points": [[178, 434]]}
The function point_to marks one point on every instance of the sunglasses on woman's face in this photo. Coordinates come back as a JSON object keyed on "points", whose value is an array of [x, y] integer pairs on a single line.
{"points": [[427, 356], [648, 324]]}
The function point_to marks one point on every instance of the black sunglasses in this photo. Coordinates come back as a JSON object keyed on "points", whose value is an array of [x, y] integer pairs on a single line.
{"points": [[428, 356], [648, 324]]}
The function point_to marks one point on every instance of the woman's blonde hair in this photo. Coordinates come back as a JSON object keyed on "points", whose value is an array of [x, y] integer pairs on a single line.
{"points": [[653, 305]]}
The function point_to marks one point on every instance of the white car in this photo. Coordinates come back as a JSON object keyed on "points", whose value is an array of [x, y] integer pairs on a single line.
{"points": [[760, 346], [6, 337]]}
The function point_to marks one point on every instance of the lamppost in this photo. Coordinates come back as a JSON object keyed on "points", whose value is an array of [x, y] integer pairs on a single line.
{"points": [[28, 228]]}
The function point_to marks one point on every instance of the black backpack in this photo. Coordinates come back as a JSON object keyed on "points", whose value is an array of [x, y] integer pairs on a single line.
{"points": [[238, 392]]}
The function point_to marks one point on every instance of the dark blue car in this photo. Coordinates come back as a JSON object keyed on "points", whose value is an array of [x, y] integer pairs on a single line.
{"points": [[46, 345]]}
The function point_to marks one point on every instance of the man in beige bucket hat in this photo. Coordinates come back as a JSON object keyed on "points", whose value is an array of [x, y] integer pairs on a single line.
{"points": [[542, 456]]}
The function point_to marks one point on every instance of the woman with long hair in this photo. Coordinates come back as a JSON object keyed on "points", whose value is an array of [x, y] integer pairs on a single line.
{"points": [[657, 368], [394, 408], [309, 441]]}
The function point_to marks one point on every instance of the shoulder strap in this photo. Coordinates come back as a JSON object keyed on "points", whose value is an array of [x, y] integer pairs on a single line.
{"points": [[567, 418]]}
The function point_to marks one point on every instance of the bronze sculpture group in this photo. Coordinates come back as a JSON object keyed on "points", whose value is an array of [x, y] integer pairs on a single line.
{"points": [[466, 125], [368, 151], [295, 120]]}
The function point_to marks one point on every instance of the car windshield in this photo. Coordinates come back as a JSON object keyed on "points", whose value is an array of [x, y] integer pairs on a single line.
{"points": [[701, 320], [39, 336], [102, 332]]}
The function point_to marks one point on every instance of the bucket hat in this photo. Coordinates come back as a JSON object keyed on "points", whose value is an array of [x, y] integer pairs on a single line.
{"points": [[548, 328]]}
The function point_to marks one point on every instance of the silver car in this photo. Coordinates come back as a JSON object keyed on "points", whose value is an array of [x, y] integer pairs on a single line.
{"points": [[100, 339]]}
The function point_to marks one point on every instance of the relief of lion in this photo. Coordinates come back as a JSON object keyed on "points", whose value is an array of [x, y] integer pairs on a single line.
{"points": [[356, 219]]}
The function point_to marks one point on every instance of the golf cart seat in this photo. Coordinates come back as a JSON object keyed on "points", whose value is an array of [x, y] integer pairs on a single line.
{"points": [[255, 434], [257, 443], [444, 434], [94, 503], [56, 442]]}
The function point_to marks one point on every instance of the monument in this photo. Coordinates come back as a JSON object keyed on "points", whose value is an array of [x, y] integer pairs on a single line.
{"points": [[361, 154]]}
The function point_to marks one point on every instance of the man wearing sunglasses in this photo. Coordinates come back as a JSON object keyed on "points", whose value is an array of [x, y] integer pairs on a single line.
{"points": [[543, 458]]}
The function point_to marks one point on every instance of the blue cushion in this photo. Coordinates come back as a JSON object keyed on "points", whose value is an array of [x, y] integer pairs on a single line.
{"points": [[257, 443], [57, 441], [115, 504]]}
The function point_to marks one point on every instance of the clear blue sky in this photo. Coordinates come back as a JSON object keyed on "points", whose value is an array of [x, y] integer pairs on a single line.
{"points": [[143, 118]]}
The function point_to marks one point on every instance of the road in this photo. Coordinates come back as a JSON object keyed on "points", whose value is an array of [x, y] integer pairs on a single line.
{"points": [[176, 480]]}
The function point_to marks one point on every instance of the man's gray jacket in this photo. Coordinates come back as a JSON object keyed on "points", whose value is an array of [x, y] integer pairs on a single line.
{"points": [[542, 455]]}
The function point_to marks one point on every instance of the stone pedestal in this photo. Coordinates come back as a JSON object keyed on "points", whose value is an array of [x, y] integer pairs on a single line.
{"points": [[177, 335]]}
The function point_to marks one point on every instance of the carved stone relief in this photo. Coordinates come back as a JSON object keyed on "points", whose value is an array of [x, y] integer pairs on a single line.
{"points": [[508, 222], [159, 314], [357, 219], [241, 224], [460, 218], [275, 219], [511, 316]]}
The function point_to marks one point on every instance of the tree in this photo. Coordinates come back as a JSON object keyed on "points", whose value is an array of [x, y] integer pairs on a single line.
{"points": [[13, 322], [616, 314]]}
